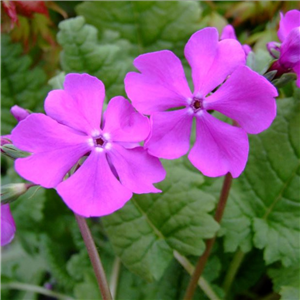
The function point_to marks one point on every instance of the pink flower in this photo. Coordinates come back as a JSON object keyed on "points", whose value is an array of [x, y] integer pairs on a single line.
{"points": [[112, 165], [229, 33], [289, 50], [162, 91], [8, 226]]}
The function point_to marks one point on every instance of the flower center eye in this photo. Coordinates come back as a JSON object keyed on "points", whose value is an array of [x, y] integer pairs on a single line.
{"points": [[197, 104], [99, 141]]}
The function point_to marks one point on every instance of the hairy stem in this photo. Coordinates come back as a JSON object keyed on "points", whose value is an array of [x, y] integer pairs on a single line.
{"points": [[232, 271], [94, 257], [209, 243], [34, 289]]}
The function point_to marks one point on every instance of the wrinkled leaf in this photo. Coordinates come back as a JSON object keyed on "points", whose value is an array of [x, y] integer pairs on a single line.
{"points": [[148, 25], [20, 83], [149, 227], [83, 53], [267, 214]]}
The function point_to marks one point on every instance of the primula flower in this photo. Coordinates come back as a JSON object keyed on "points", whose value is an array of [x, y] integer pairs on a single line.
{"points": [[229, 33], [289, 50], [8, 226], [115, 166], [245, 96]]}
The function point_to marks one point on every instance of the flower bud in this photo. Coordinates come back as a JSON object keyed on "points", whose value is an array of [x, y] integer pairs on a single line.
{"points": [[11, 192], [5, 139], [13, 152], [274, 49]]}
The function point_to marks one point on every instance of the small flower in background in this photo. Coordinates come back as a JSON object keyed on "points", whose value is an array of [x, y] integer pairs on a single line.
{"points": [[288, 52], [229, 33], [8, 226], [109, 166], [244, 96]]}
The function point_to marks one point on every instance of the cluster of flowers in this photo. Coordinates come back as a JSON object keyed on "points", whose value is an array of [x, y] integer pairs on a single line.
{"points": [[96, 162]]}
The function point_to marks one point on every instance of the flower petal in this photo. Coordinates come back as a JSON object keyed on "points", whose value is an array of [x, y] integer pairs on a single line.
{"points": [[211, 61], [56, 149], [287, 22], [137, 169], [161, 84], [124, 123], [8, 226], [79, 105], [93, 190], [228, 33], [297, 71], [170, 136], [247, 98], [219, 148], [290, 49], [19, 113]]}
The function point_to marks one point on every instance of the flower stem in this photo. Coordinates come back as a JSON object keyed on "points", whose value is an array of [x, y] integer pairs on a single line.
{"points": [[209, 243], [94, 257], [232, 271]]}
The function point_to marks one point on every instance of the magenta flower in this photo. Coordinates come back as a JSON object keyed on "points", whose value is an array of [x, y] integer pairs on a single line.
{"points": [[289, 50], [229, 33], [8, 226], [162, 91], [112, 164]]}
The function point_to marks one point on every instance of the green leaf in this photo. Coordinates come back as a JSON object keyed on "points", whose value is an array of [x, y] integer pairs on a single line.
{"points": [[264, 206], [259, 61], [145, 232], [56, 258], [88, 288], [20, 83], [148, 25], [18, 265], [57, 82], [77, 263], [28, 209], [286, 282], [83, 53]]}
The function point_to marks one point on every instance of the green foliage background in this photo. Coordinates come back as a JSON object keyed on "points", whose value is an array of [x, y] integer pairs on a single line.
{"points": [[261, 221]]}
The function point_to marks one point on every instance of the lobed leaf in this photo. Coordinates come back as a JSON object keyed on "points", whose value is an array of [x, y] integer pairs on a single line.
{"points": [[21, 84], [148, 25], [84, 53], [264, 208], [286, 282], [145, 232]]}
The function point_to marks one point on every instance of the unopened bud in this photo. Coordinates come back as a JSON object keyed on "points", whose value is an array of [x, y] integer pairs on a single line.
{"points": [[13, 152], [274, 49], [11, 192], [5, 139], [284, 79], [19, 113]]}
